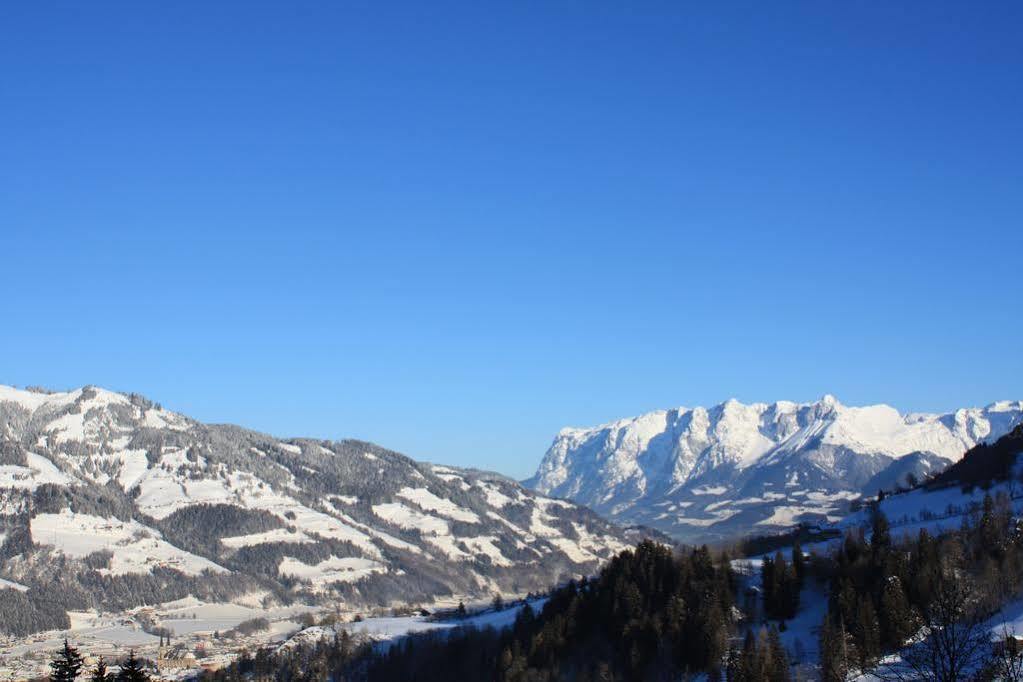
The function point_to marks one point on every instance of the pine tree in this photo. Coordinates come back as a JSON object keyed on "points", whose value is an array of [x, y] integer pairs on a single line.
{"points": [[798, 562], [66, 665], [837, 651], [748, 659], [989, 536], [780, 586], [846, 601], [790, 592], [675, 624], [868, 633], [768, 584], [880, 532], [896, 615], [715, 636], [99, 673], [132, 670], [778, 670]]}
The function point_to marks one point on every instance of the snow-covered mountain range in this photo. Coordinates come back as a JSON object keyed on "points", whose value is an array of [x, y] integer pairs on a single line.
{"points": [[736, 469], [108, 501]]}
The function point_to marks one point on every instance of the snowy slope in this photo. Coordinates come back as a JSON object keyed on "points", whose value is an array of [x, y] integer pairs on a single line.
{"points": [[116, 502], [709, 473]]}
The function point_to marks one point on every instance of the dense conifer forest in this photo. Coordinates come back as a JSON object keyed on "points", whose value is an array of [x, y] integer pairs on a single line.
{"points": [[650, 614], [940, 589], [984, 463]]}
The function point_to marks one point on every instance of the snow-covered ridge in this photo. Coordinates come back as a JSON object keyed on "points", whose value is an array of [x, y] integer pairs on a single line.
{"points": [[113, 484], [636, 469]]}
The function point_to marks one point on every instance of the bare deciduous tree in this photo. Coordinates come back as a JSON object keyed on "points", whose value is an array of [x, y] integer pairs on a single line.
{"points": [[1007, 661], [953, 643]]}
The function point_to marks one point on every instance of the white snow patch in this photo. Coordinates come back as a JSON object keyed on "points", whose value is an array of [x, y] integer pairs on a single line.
{"points": [[38, 471], [136, 548], [266, 537], [430, 502], [710, 490], [495, 498], [331, 569], [404, 516]]}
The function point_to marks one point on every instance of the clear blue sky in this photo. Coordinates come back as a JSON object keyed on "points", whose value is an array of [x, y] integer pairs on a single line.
{"points": [[453, 228]]}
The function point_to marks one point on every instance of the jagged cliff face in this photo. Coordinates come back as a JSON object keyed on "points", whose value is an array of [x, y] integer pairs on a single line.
{"points": [[735, 469], [109, 501]]}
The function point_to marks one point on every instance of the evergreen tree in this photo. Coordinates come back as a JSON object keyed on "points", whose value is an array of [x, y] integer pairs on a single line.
{"points": [[780, 586], [778, 670], [837, 651], [880, 532], [798, 563], [132, 670], [764, 663], [989, 537], [762, 659], [651, 613], [790, 592], [99, 673], [846, 600], [897, 621], [748, 668], [715, 636], [867, 633], [66, 664], [769, 583]]}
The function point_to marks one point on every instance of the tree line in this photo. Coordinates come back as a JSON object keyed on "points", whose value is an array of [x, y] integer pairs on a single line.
{"points": [[936, 590], [68, 665], [649, 614]]}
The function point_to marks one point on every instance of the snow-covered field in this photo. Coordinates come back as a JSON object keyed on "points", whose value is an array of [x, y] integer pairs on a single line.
{"points": [[404, 516], [192, 621], [38, 471], [134, 548], [331, 569], [936, 511], [430, 502], [276, 535], [387, 630]]}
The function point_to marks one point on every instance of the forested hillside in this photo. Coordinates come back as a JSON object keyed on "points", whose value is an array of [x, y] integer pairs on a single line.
{"points": [[984, 463], [649, 614], [917, 602], [108, 502]]}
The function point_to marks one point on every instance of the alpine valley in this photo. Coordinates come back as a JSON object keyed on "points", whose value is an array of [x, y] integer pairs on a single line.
{"points": [[734, 469], [109, 503]]}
